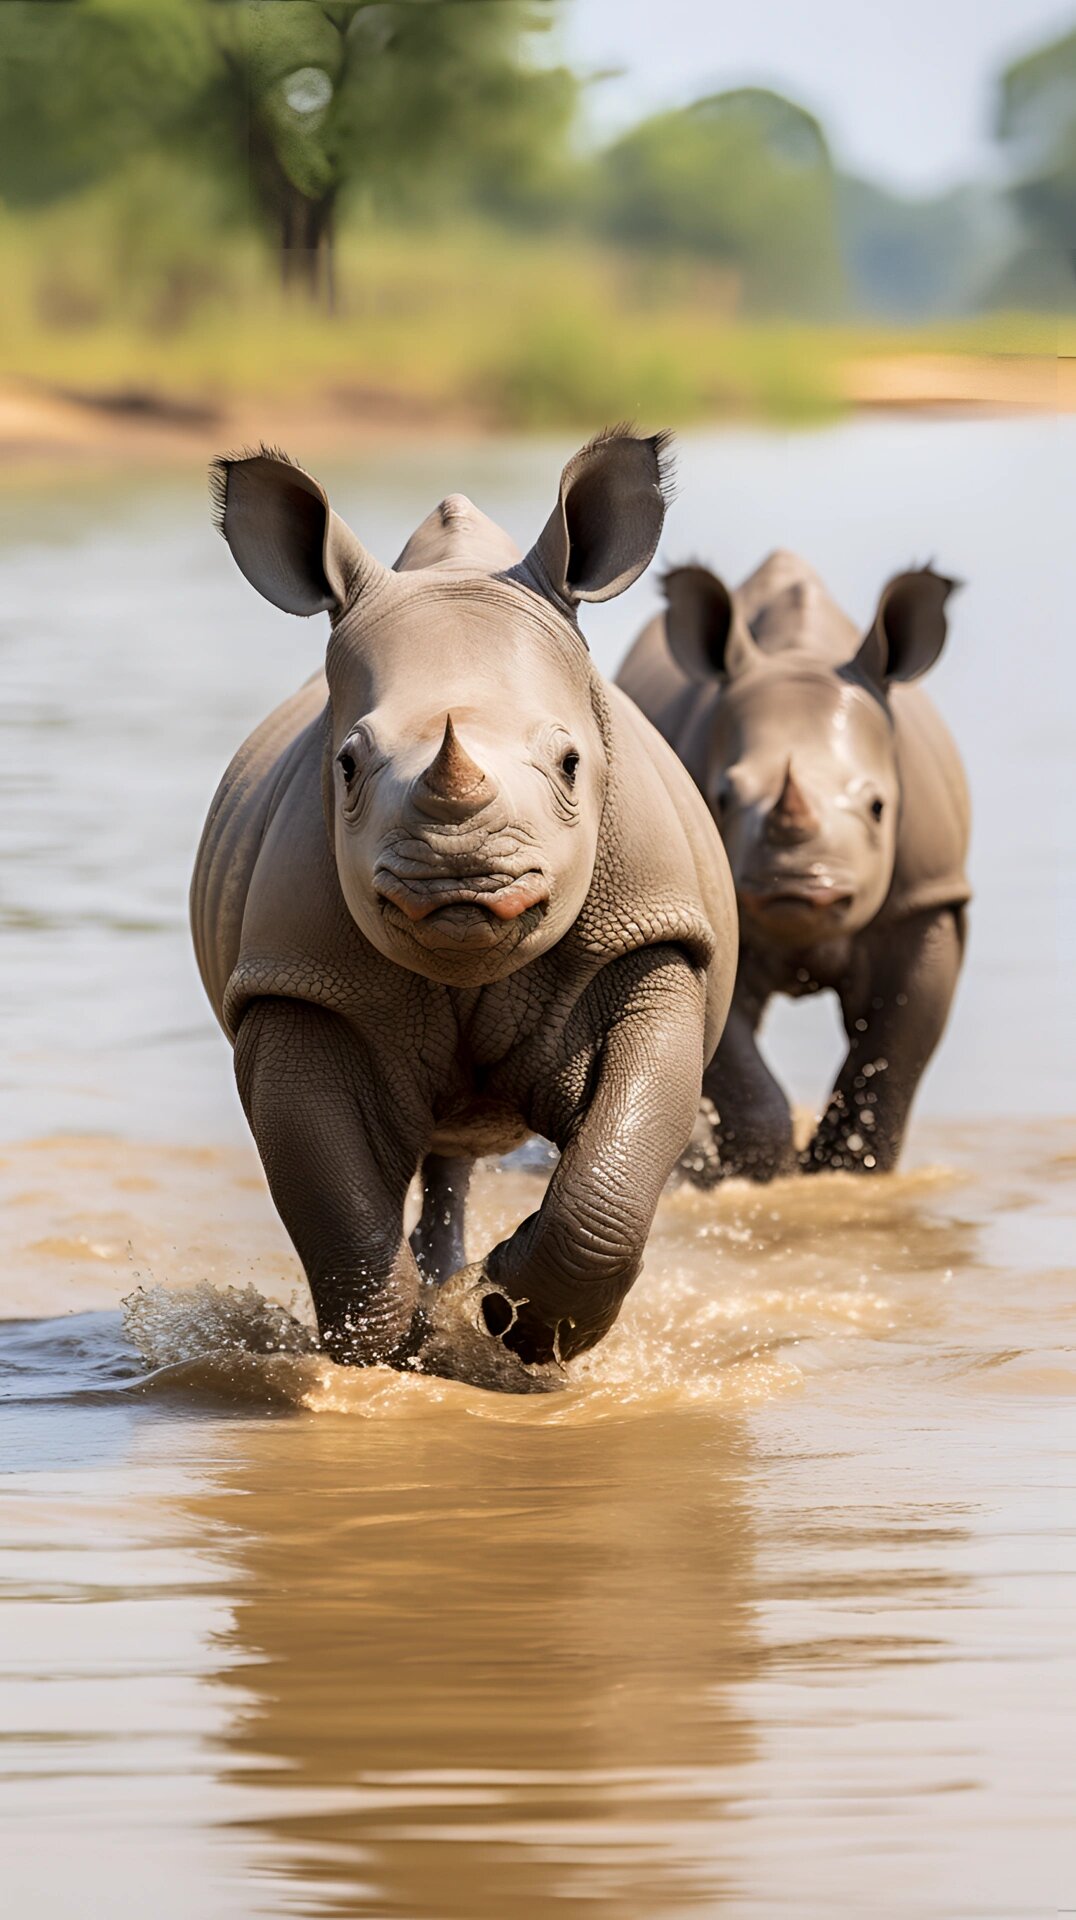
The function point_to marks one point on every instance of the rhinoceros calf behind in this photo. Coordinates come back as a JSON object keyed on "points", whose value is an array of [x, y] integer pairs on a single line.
{"points": [[455, 890], [841, 800]]}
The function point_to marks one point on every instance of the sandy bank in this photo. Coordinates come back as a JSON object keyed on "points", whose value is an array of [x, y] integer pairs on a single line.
{"points": [[963, 383], [38, 422]]}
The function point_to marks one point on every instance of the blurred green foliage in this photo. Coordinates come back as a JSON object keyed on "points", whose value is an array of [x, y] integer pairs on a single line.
{"points": [[743, 177], [208, 196], [1037, 121], [288, 107]]}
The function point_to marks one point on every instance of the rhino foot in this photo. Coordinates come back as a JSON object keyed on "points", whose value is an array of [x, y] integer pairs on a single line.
{"points": [[468, 1319]]}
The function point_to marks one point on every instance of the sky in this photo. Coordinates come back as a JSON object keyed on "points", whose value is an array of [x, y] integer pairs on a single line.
{"points": [[904, 88]]}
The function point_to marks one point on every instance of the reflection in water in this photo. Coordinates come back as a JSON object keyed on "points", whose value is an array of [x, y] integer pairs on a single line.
{"points": [[769, 1612], [500, 1669]]}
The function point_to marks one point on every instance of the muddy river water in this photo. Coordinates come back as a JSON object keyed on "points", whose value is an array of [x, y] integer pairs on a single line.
{"points": [[773, 1610]]}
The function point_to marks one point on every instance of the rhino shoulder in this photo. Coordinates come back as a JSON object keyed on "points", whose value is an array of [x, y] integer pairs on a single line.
{"points": [[651, 678], [680, 708], [264, 778], [935, 810], [661, 876]]}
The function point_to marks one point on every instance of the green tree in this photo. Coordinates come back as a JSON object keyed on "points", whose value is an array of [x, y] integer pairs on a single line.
{"points": [[1037, 121], [294, 105], [743, 178]]}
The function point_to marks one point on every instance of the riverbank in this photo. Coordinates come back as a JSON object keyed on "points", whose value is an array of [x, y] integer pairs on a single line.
{"points": [[43, 421], [468, 334]]}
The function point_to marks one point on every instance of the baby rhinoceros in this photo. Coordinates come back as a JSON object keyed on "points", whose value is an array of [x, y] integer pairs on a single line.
{"points": [[457, 889], [841, 800]]}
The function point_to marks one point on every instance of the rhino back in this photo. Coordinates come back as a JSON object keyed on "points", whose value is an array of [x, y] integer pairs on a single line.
{"points": [[788, 609]]}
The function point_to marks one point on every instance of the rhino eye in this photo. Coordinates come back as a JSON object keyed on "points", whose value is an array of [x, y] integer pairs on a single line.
{"points": [[346, 761], [569, 766], [877, 809]]}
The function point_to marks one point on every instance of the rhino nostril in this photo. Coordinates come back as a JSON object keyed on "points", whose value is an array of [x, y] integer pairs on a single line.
{"points": [[498, 1314]]}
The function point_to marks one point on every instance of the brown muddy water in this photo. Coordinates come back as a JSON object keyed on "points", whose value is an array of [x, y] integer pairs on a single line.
{"points": [[772, 1610]]}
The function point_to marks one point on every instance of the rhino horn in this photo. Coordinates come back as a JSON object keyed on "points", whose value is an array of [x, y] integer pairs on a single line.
{"points": [[453, 785], [792, 817]]}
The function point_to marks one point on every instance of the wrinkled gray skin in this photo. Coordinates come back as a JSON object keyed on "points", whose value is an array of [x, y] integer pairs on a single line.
{"points": [[841, 800], [455, 890]]}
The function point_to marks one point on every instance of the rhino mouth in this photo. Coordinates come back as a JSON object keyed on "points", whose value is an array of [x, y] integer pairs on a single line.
{"points": [[795, 896], [463, 909]]}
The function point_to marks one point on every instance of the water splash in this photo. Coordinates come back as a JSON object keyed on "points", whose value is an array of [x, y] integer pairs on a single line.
{"points": [[168, 1328], [670, 1348], [744, 1290]]}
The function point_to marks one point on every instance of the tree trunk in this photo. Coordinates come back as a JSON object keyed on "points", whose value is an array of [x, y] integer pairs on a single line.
{"points": [[303, 228], [307, 253]]}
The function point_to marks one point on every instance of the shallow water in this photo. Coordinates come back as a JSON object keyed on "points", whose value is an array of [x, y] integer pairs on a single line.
{"points": [[771, 1610]]}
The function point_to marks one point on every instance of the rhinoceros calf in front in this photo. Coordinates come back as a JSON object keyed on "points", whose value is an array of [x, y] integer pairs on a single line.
{"points": [[841, 800], [455, 890]]}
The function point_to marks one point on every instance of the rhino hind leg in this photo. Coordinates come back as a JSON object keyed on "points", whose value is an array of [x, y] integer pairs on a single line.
{"points": [[894, 1014], [751, 1128], [437, 1241], [339, 1154]]}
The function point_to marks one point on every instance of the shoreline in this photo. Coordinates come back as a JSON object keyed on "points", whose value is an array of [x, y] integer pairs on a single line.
{"points": [[40, 422]]}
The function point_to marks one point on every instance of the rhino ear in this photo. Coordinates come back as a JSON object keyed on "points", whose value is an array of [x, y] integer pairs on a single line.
{"points": [[909, 627], [284, 535], [706, 632], [607, 522]]}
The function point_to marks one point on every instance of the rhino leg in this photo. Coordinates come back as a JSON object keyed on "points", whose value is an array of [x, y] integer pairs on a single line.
{"points": [[339, 1156], [895, 1008], [753, 1131], [556, 1286], [437, 1241]]}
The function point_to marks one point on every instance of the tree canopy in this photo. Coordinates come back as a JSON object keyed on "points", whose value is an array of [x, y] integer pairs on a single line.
{"points": [[200, 117], [292, 107], [744, 177], [1037, 121]]}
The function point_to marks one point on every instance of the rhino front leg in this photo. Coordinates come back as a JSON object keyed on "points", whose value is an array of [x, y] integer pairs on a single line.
{"points": [[753, 1131], [894, 1009], [339, 1160], [437, 1241], [556, 1286]]}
